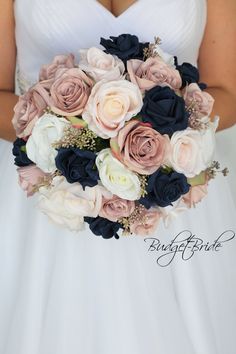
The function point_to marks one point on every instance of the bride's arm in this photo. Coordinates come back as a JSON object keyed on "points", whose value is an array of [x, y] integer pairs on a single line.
{"points": [[7, 69], [217, 59]]}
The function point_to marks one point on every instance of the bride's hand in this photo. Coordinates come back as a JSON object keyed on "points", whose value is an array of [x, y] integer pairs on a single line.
{"points": [[7, 69]]}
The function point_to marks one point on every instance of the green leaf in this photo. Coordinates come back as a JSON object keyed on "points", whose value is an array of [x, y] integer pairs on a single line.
{"points": [[197, 180]]}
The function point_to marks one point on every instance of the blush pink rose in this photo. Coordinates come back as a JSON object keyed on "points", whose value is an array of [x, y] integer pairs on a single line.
{"points": [[110, 105], [48, 72], [29, 109], [201, 100], [147, 223], [195, 195], [70, 92], [29, 176], [116, 208], [141, 148], [153, 72]]}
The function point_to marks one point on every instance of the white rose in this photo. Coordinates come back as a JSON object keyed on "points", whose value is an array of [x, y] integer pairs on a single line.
{"points": [[166, 57], [66, 204], [117, 178], [110, 105], [47, 130], [100, 65], [191, 151]]}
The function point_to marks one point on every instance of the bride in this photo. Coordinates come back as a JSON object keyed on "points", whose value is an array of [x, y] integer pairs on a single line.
{"points": [[64, 293]]}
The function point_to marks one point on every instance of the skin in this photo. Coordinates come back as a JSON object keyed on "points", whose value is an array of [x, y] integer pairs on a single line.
{"points": [[217, 58]]}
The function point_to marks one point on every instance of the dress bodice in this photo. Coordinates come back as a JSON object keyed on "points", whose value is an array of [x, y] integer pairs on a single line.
{"points": [[45, 28]]}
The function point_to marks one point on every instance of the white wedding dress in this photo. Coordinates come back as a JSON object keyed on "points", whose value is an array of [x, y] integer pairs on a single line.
{"points": [[66, 293]]}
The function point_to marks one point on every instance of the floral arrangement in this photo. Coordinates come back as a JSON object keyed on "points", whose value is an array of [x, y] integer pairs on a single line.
{"points": [[119, 140]]}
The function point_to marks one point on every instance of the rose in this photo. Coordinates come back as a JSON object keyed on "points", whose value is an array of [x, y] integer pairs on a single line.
{"points": [[110, 105], [164, 188], [164, 110], [28, 109], [152, 72], [100, 65], [48, 71], [171, 212], [125, 46], [78, 166], [103, 227], [47, 130], [147, 223], [29, 177], [67, 204], [115, 208], [195, 195], [70, 92], [116, 177], [141, 148], [188, 73], [191, 151], [200, 100], [19, 151]]}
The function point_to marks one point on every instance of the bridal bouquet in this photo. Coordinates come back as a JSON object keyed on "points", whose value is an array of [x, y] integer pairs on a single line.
{"points": [[119, 140]]}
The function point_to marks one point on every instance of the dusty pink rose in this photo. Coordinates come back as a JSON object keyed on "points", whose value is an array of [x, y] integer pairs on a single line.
{"points": [[153, 72], [29, 176], [70, 92], [195, 195], [141, 148], [201, 100], [147, 223], [116, 208], [48, 72], [29, 108]]}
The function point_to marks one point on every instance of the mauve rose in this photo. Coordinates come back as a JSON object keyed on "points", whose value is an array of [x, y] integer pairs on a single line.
{"points": [[48, 71], [195, 195], [201, 100], [141, 148], [116, 208], [147, 223], [70, 92], [28, 109], [153, 72], [29, 176]]}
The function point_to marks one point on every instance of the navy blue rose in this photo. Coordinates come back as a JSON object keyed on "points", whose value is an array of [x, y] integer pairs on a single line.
{"points": [[188, 73], [78, 166], [164, 110], [19, 151], [103, 227], [164, 188], [125, 46]]}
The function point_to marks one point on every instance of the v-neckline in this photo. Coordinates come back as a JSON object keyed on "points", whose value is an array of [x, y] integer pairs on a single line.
{"points": [[125, 12]]}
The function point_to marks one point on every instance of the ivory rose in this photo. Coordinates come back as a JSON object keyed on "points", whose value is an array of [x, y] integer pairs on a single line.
{"points": [[153, 72], [200, 100], [195, 195], [67, 204], [141, 148], [47, 130], [191, 151], [70, 92], [28, 109], [29, 176], [110, 105], [147, 223], [116, 177], [100, 65], [115, 208], [48, 71]]}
